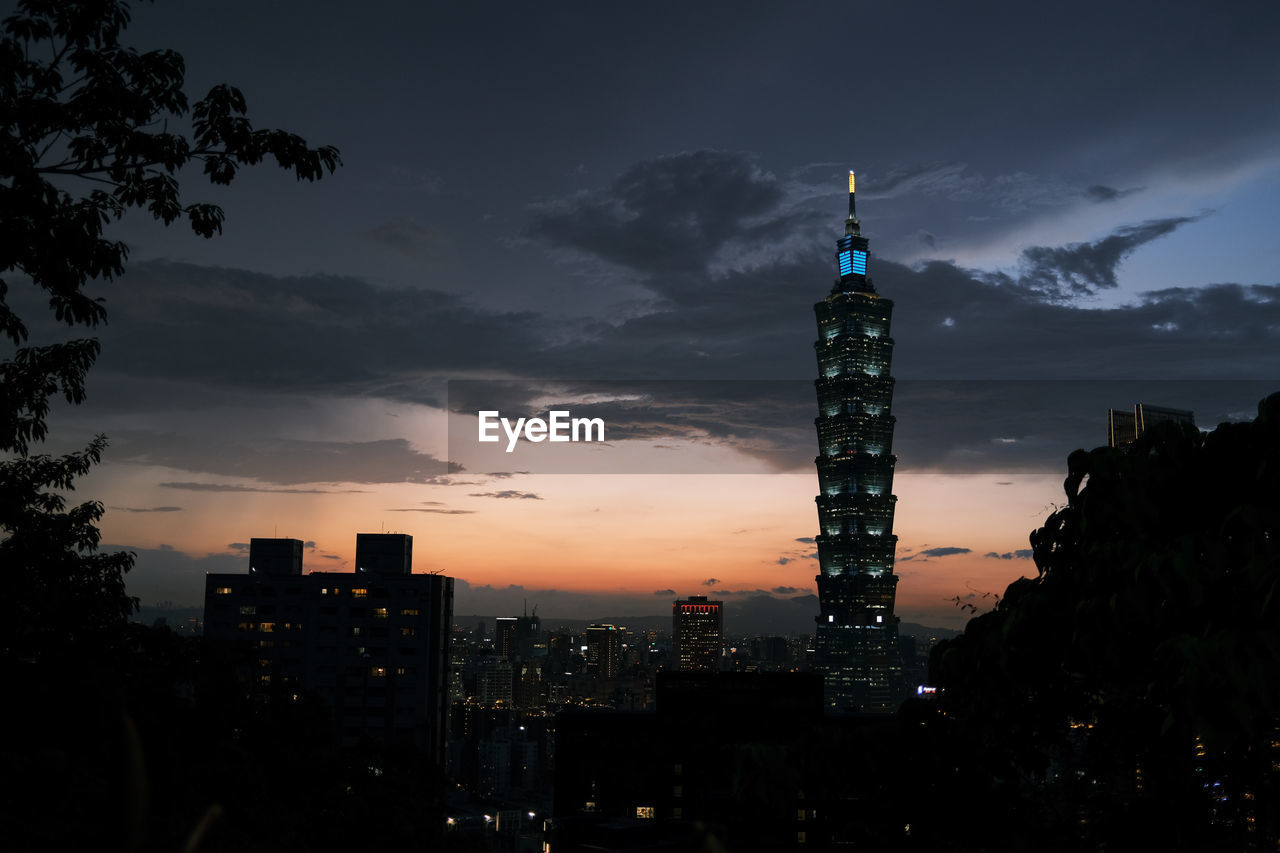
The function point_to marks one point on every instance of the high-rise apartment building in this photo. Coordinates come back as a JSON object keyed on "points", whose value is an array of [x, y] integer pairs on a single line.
{"points": [[604, 651], [373, 644], [504, 636], [698, 632], [856, 639]]}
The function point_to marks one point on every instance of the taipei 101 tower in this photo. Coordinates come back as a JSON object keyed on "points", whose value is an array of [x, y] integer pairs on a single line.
{"points": [[856, 640]]}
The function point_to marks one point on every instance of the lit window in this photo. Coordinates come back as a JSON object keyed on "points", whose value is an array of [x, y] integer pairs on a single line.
{"points": [[222, 590], [359, 592], [378, 671], [645, 812], [409, 611], [379, 613], [248, 610], [267, 627], [408, 632]]}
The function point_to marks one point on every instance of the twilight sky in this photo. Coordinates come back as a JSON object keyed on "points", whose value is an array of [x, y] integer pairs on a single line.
{"points": [[1071, 205]]}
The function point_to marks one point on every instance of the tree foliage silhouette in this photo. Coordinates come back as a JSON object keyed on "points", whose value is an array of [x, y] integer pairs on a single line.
{"points": [[1132, 689], [85, 136]]}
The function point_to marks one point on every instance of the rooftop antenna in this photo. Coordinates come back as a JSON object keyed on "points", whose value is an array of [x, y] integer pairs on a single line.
{"points": [[852, 225]]}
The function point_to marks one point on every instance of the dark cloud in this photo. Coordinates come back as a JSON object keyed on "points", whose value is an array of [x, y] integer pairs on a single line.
{"points": [[785, 590], [315, 334], [1102, 194], [240, 487], [933, 553], [942, 552], [165, 574], [309, 545], [1021, 554], [148, 509], [782, 561], [239, 546], [711, 581], [436, 510], [1080, 269], [508, 494], [807, 540], [669, 215], [281, 461], [504, 475], [665, 593]]}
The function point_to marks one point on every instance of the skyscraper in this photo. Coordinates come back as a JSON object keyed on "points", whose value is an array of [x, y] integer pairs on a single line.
{"points": [[604, 652], [698, 631], [856, 641]]}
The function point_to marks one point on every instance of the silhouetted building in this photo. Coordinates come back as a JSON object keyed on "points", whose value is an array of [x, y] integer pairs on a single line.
{"points": [[373, 644], [726, 754], [856, 642], [515, 636], [1124, 428], [275, 556], [384, 553], [604, 651], [504, 636], [698, 633]]}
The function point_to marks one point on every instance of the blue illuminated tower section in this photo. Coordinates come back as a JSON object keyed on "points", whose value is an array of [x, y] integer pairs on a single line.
{"points": [[856, 640]]}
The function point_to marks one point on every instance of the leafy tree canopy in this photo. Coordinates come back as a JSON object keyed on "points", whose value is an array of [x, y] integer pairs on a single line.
{"points": [[1139, 673], [86, 134]]}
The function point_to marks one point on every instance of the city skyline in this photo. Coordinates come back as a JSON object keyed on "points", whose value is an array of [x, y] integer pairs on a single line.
{"points": [[519, 205]]}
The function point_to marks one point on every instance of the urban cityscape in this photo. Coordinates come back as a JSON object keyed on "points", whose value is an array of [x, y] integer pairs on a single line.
{"points": [[416, 515]]}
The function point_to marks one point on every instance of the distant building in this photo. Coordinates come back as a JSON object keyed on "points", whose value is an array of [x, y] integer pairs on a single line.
{"points": [[1124, 428], [504, 636], [494, 681], [698, 633], [604, 651], [372, 644], [515, 636]]}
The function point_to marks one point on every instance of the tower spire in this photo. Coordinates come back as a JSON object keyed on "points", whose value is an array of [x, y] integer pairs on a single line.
{"points": [[852, 225]]}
